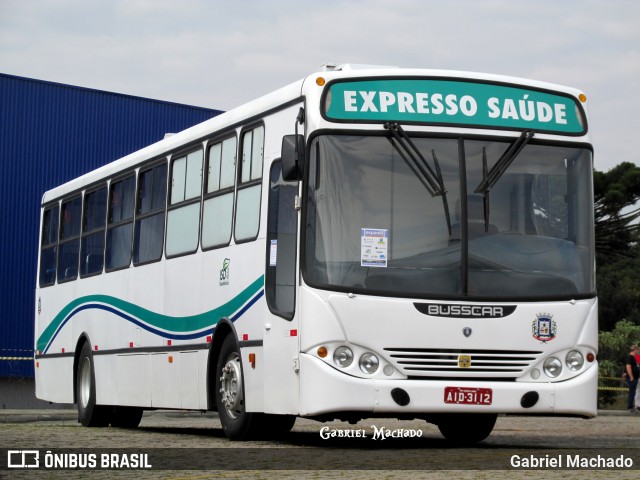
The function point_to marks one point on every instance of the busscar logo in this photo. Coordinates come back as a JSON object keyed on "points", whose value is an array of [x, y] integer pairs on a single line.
{"points": [[465, 311], [23, 459]]}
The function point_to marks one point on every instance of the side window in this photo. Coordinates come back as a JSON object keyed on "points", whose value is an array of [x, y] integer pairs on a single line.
{"points": [[183, 219], [250, 185], [49, 246], [217, 214], [282, 226], [69, 241], [149, 226], [120, 223], [93, 227]]}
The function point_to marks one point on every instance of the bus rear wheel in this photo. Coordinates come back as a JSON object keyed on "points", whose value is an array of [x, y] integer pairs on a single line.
{"points": [[126, 417], [466, 429], [89, 413]]}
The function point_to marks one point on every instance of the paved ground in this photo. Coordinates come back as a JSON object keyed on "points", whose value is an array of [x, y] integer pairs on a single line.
{"points": [[198, 438]]}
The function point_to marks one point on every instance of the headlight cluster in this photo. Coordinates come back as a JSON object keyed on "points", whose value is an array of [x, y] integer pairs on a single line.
{"points": [[553, 366], [343, 358], [355, 360]]}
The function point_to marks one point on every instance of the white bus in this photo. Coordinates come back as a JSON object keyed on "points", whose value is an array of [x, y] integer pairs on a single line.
{"points": [[361, 243]]}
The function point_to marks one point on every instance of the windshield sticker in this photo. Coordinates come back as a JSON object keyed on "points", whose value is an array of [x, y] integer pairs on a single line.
{"points": [[454, 102], [373, 247]]}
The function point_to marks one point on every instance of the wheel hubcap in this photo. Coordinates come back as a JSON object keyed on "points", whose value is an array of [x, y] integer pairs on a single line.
{"points": [[231, 386], [85, 382]]}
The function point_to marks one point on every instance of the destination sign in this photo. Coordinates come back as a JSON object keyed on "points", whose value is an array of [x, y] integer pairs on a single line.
{"points": [[453, 102]]}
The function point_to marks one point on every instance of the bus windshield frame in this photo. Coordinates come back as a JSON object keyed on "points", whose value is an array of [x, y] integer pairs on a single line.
{"points": [[489, 222]]}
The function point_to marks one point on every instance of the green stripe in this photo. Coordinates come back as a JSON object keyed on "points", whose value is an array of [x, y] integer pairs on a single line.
{"points": [[165, 322]]}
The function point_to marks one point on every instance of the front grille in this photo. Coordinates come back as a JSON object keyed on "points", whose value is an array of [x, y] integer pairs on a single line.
{"points": [[425, 362]]}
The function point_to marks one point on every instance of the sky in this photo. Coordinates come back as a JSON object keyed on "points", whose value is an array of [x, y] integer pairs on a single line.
{"points": [[220, 54]]}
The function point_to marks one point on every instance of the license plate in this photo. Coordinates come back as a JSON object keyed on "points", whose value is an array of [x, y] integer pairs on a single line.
{"points": [[468, 396]]}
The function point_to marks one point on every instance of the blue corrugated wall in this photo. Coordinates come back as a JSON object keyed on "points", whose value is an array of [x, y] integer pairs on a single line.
{"points": [[49, 134]]}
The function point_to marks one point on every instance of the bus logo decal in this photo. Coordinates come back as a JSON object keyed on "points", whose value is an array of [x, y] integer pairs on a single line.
{"points": [[224, 272], [544, 327], [467, 331], [464, 361]]}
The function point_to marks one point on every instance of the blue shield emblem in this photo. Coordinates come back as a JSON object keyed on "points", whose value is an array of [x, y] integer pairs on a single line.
{"points": [[544, 327]]}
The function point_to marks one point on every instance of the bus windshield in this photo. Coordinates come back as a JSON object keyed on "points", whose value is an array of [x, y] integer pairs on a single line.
{"points": [[483, 222]]}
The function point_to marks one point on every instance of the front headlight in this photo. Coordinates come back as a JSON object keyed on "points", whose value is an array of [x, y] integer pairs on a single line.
{"points": [[552, 367], [342, 357], [369, 363], [574, 360]]}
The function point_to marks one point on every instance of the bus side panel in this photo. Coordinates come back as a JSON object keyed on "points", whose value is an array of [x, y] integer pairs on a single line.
{"points": [[54, 376], [164, 378], [54, 379], [134, 380], [189, 380]]}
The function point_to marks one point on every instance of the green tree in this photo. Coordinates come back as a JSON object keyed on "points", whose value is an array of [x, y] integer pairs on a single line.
{"points": [[617, 235]]}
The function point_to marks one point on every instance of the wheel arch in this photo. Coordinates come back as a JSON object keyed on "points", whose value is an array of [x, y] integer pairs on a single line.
{"points": [[223, 328]]}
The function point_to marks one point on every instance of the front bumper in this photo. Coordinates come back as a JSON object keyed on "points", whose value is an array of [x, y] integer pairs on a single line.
{"points": [[325, 390]]}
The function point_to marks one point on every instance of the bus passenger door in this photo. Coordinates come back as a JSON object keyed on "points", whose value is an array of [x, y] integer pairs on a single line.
{"points": [[281, 323]]}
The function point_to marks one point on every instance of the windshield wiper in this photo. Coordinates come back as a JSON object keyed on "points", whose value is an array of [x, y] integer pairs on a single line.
{"points": [[431, 178], [491, 178], [415, 160]]}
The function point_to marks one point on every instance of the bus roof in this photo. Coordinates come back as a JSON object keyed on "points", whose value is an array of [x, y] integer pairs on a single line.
{"points": [[307, 88]]}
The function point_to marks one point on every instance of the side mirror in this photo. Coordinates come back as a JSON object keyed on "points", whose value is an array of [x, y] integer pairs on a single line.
{"points": [[292, 157]]}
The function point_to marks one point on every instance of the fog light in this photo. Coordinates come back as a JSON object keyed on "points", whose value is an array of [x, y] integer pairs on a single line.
{"points": [[342, 357], [369, 363], [388, 370], [552, 367], [574, 360], [535, 374]]}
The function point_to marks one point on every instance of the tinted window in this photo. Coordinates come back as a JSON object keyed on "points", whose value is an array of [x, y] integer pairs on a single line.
{"points": [[183, 219], [92, 248], [120, 228], [149, 227], [250, 188]]}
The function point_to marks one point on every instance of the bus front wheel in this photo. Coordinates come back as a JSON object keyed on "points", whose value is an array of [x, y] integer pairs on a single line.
{"points": [[236, 422], [466, 429], [89, 414]]}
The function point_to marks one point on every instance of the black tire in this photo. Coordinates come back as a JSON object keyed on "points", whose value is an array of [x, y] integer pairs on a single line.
{"points": [[237, 423], [89, 413], [273, 426], [126, 417], [466, 429]]}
